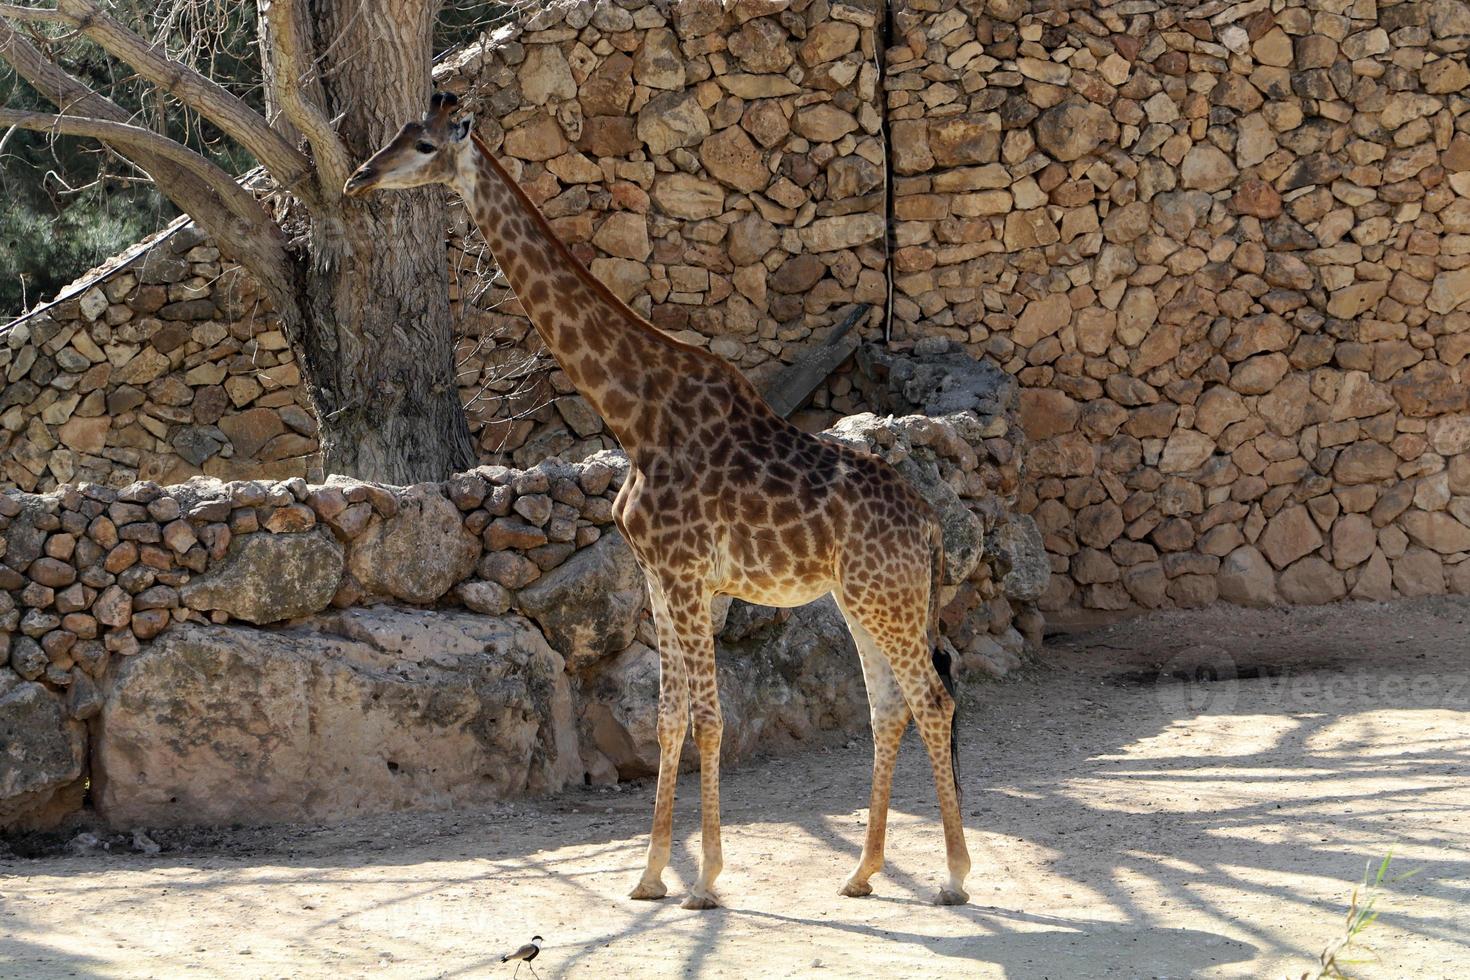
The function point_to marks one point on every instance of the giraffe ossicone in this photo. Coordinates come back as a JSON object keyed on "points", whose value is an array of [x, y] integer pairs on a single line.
{"points": [[723, 497]]}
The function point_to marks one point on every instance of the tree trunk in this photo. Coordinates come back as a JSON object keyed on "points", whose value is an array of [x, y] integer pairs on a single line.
{"points": [[373, 326]]}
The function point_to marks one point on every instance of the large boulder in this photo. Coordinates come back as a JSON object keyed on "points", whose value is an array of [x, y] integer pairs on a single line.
{"points": [[619, 716], [588, 606], [350, 713], [788, 675], [943, 383], [43, 756], [267, 578], [1019, 552], [964, 531], [1246, 578], [418, 554]]}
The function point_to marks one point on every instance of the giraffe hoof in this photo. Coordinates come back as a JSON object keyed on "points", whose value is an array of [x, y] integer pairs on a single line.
{"points": [[648, 891], [699, 902], [949, 896], [856, 889]]}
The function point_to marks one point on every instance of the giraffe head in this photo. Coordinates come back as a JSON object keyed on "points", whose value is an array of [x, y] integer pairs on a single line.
{"points": [[426, 151]]}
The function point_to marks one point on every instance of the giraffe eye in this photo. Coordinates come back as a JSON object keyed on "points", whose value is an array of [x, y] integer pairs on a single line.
{"points": [[423, 146]]}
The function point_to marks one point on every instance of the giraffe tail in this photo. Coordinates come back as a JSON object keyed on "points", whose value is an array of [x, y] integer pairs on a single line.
{"points": [[943, 662]]}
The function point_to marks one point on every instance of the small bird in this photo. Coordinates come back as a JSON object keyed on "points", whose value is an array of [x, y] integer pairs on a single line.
{"points": [[525, 955]]}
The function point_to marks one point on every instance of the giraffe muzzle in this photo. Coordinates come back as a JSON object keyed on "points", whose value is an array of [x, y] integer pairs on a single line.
{"points": [[359, 183]]}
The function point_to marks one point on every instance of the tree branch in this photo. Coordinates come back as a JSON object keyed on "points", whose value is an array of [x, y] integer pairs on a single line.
{"points": [[251, 239], [51, 81], [239, 201], [291, 68], [33, 14], [291, 169]]}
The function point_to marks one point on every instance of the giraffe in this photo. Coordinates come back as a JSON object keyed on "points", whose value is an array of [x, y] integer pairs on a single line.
{"points": [[723, 497]]}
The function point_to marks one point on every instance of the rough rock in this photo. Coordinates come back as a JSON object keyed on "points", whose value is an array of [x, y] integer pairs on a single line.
{"points": [[1375, 580], [1206, 168], [731, 158], [590, 605], [1042, 319], [43, 756], [1073, 129], [1017, 545], [1365, 462], [361, 712], [687, 196], [1312, 582], [1353, 540], [1436, 530], [959, 141], [823, 122], [1247, 579], [619, 713], [1289, 535], [418, 554], [671, 120], [1419, 572], [487, 598], [1186, 450], [266, 578]]}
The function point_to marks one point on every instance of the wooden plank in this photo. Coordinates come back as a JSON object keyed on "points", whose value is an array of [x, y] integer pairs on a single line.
{"points": [[790, 389]]}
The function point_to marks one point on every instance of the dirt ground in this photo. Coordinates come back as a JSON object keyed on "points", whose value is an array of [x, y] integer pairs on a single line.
{"points": [[1184, 795]]}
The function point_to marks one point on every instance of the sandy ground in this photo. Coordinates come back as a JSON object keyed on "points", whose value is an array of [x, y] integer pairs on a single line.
{"points": [[1186, 795]]}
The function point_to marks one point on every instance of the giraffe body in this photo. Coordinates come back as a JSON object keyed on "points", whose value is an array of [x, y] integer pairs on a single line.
{"points": [[723, 497]]}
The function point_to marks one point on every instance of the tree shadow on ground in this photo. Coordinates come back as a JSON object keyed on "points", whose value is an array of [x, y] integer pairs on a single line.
{"points": [[1271, 791]]}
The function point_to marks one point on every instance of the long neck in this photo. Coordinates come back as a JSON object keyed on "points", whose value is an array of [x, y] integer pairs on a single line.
{"points": [[601, 344]]}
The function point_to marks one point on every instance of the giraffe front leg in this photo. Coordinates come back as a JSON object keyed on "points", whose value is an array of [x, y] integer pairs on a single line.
{"points": [[709, 727], [689, 617], [673, 722]]}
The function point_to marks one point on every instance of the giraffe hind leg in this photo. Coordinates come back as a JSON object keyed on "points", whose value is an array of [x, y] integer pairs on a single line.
{"points": [[905, 640], [933, 709], [889, 715]]}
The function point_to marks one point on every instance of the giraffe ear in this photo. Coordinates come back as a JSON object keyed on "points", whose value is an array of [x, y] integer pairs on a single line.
{"points": [[459, 130]]}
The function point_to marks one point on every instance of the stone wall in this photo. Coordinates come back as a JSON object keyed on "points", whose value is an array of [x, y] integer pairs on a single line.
{"points": [[1225, 247], [1222, 246], [160, 367], [131, 651], [722, 170]]}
